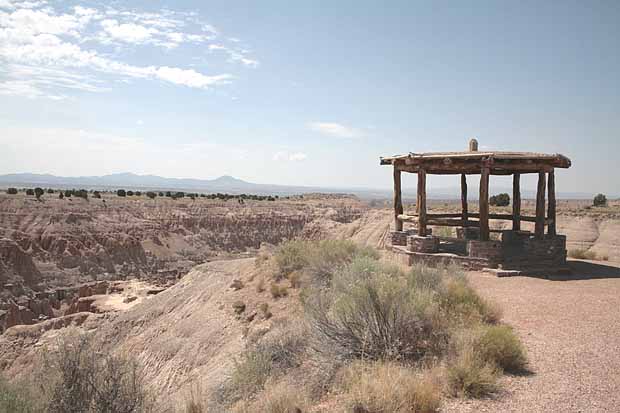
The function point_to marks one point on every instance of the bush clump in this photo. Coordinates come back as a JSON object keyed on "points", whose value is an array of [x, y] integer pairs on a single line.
{"points": [[599, 200], [121, 193], [390, 387], [502, 199], [81, 378], [11, 191], [468, 375], [499, 345]]}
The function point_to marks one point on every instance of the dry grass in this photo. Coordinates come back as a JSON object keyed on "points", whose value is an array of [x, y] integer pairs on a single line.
{"points": [[468, 375], [390, 387], [277, 290], [584, 254], [282, 398]]}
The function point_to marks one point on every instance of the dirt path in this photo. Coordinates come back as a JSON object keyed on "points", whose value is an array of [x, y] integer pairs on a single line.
{"points": [[572, 333]]}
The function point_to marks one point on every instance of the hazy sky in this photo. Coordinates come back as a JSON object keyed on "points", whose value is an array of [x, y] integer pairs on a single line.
{"points": [[306, 93]]}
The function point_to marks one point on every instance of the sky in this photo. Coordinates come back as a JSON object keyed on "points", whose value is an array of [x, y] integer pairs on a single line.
{"points": [[306, 93]]}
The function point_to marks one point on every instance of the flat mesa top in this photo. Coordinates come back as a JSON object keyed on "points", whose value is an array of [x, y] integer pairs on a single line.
{"points": [[472, 161]]}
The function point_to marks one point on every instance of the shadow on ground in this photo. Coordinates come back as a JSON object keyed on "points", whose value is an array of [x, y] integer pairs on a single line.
{"points": [[588, 270]]}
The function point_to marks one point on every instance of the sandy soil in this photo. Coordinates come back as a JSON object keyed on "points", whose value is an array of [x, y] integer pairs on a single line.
{"points": [[571, 330]]}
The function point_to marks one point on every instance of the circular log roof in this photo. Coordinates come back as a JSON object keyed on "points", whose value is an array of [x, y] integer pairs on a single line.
{"points": [[499, 163]]}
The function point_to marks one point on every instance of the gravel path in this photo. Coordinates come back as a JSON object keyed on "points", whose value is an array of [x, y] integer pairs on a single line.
{"points": [[571, 330]]}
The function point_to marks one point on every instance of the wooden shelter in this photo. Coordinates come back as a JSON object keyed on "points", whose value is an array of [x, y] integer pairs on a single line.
{"points": [[484, 164]]}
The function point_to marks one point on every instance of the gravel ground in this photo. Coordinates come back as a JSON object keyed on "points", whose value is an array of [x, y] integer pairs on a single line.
{"points": [[571, 330]]}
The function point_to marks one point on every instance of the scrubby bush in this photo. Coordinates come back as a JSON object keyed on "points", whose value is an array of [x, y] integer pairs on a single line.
{"points": [[16, 398], [50, 191], [468, 375], [599, 200], [461, 302], [30, 191], [502, 199], [97, 194], [138, 193], [130, 193], [584, 254], [374, 317], [68, 193], [121, 193], [277, 290], [282, 398], [277, 352], [61, 195], [501, 347], [320, 259], [38, 192], [81, 193], [151, 194], [11, 191], [291, 256], [81, 378], [390, 387]]}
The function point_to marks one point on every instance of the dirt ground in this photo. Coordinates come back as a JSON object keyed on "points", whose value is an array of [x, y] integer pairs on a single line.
{"points": [[571, 329]]}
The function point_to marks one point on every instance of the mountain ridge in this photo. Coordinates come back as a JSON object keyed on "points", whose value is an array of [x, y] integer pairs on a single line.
{"points": [[231, 184]]}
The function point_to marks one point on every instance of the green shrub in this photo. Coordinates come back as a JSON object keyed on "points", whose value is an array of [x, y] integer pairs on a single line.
{"points": [[374, 317], [38, 192], [502, 199], [130, 193], [50, 191], [11, 191], [319, 259], [291, 256], [30, 191], [599, 200], [151, 194], [97, 194], [68, 193], [500, 346], [461, 302], [121, 193]]}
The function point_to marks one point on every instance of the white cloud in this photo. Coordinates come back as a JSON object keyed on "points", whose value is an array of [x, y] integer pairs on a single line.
{"points": [[297, 156], [235, 55], [286, 156], [36, 39], [127, 32], [336, 130]]}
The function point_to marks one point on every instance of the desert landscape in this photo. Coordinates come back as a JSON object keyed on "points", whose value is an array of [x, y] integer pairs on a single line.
{"points": [[309, 207], [189, 286]]}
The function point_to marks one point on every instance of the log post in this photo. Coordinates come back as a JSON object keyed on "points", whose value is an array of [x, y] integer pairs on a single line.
{"points": [[398, 202], [422, 202], [484, 203], [516, 202], [551, 228], [540, 206], [464, 197]]}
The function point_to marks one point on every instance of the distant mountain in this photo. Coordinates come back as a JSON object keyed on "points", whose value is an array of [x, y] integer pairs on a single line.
{"points": [[229, 184]]}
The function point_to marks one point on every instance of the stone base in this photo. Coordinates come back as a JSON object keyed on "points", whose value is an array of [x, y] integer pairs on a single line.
{"points": [[400, 237], [417, 243]]}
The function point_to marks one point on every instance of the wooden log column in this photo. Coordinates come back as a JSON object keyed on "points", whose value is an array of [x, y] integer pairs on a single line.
{"points": [[398, 202], [551, 226], [516, 202], [464, 197], [422, 202], [540, 206], [484, 204]]}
